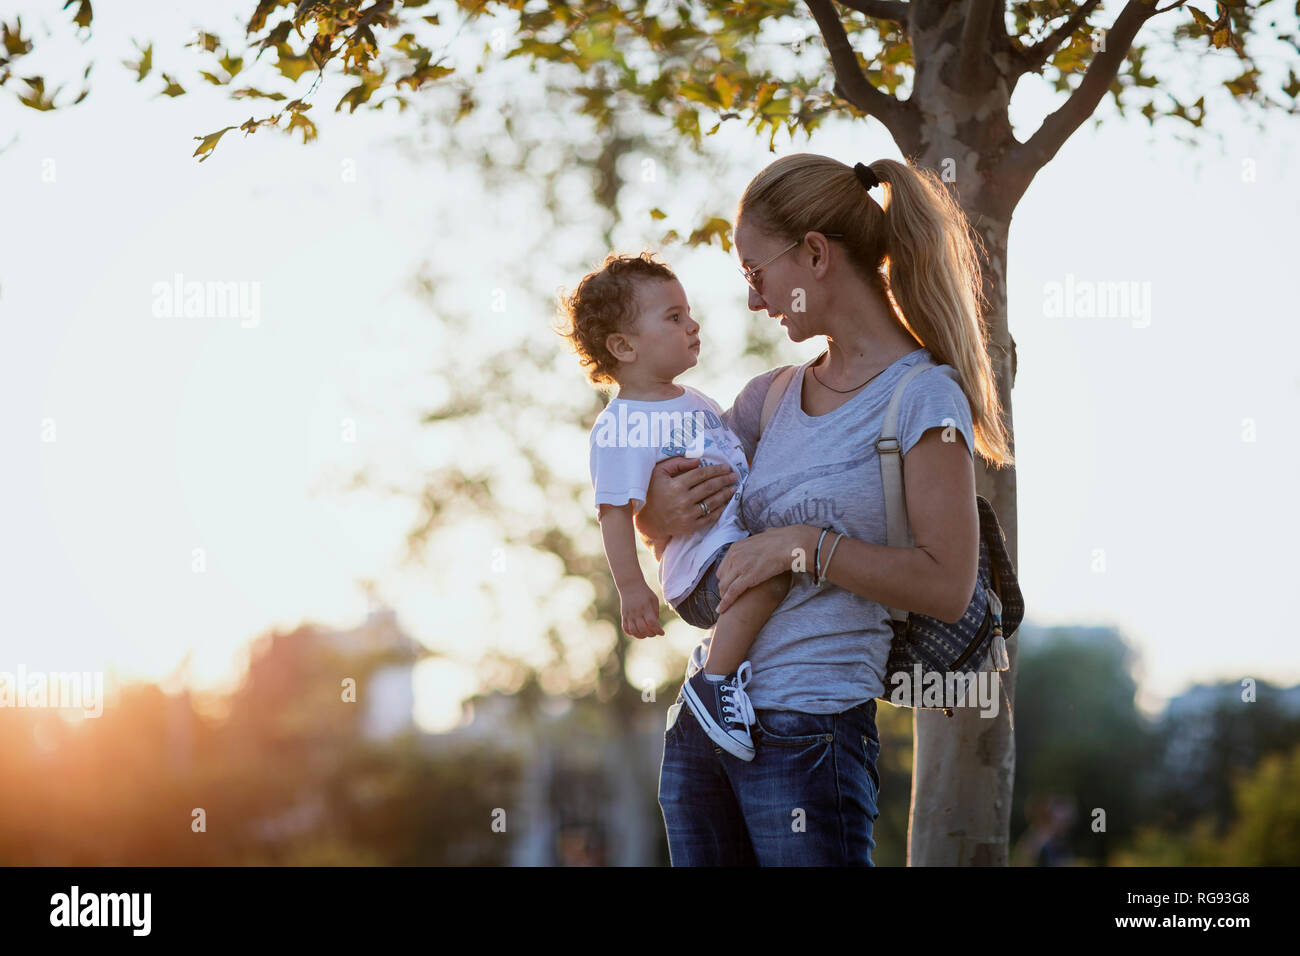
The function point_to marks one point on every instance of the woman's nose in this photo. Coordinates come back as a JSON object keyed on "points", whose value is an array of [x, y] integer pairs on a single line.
{"points": [[755, 300]]}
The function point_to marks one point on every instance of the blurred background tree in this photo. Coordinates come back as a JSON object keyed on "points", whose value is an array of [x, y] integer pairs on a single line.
{"points": [[286, 773], [1263, 826]]}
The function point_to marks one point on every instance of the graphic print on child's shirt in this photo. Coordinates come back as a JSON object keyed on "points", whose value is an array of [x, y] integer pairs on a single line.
{"points": [[630, 437]]}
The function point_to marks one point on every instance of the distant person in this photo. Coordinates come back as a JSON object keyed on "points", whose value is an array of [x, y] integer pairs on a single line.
{"points": [[1044, 842]]}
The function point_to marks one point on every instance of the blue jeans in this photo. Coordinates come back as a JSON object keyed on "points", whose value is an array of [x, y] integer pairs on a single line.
{"points": [[808, 798], [700, 607]]}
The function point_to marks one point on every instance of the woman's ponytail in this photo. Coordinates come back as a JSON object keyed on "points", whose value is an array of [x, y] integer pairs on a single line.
{"points": [[933, 270]]}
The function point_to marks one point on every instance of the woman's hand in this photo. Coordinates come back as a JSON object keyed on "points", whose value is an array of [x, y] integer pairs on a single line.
{"points": [[639, 608], [672, 501], [751, 561]]}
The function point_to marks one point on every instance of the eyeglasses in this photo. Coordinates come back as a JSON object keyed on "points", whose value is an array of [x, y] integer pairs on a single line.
{"points": [[750, 274]]}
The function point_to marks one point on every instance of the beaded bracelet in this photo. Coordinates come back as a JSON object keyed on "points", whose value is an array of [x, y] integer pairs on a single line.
{"points": [[817, 556]]}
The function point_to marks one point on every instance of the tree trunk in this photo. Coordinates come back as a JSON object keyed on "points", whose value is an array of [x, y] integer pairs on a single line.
{"points": [[964, 766]]}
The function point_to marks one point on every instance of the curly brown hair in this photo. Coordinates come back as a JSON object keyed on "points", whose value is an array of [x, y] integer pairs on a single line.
{"points": [[604, 303]]}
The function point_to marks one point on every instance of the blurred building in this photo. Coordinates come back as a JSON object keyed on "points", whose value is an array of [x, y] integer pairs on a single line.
{"points": [[377, 654], [388, 701], [588, 772]]}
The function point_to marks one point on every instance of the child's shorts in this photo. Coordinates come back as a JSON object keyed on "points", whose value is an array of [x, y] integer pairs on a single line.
{"points": [[700, 607]]}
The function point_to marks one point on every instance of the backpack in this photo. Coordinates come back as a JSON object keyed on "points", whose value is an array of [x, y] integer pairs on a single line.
{"points": [[925, 650]]}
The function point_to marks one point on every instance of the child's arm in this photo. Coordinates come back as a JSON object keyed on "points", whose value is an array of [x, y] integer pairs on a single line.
{"points": [[639, 603]]}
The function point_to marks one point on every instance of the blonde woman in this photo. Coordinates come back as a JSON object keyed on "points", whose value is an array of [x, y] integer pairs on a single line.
{"points": [[888, 284]]}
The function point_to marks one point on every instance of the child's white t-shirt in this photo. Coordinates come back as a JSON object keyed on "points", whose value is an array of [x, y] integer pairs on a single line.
{"points": [[630, 437]]}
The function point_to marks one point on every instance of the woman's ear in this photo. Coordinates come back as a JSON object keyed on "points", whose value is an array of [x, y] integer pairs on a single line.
{"points": [[818, 246]]}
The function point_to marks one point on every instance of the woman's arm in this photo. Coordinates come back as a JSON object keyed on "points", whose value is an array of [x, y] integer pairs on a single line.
{"points": [[935, 577]]}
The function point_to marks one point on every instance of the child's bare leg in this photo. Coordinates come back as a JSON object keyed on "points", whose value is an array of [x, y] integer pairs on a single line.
{"points": [[739, 624]]}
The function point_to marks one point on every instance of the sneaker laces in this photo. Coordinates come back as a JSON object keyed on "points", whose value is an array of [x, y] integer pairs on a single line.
{"points": [[736, 708]]}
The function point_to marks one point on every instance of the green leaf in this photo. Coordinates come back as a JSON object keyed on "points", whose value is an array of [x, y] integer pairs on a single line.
{"points": [[716, 228], [699, 93], [300, 122], [688, 121], [82, 18], [172, 88], [1292, 87], [594, 46], [206, 41], [14, 44], [360, 93], [249, 93], [538, 50], [777, 107], [725, 89], [1243, 84], [210, 143], [37, 98], [292, 65], [145, 63], [898, 54]]}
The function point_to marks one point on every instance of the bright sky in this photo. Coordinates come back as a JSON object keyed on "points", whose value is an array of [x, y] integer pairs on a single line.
{"points": [[1159, 439]]}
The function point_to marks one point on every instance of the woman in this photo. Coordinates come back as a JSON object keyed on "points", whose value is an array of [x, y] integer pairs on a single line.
{"points": [[826, 259]]}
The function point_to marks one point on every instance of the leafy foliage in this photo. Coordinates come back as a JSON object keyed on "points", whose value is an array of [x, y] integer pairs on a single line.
{"points": [[1264, 829], [701, 64]]}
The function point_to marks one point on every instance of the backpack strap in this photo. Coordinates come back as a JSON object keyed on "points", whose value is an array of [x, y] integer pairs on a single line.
{"points": [[775, 390], [891, 473]]}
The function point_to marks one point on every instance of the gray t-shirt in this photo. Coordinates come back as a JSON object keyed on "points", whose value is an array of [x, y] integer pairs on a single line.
{"points": [[824, 650]]}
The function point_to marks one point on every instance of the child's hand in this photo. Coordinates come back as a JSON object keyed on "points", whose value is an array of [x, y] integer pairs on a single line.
{"points": [[640, 611]]}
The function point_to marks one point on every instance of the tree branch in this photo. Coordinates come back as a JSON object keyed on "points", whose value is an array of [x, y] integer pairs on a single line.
{"points": [[852, 83], [974, 33], [1025, 159], [880, 9], [1035, 56]]}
